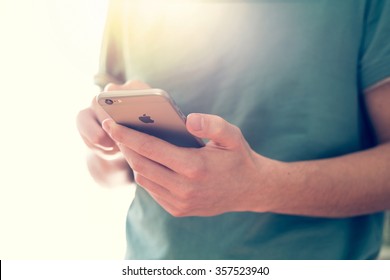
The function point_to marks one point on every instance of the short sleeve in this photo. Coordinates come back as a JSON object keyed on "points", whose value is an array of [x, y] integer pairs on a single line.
{"points": [[111, 62], [374, 64]]}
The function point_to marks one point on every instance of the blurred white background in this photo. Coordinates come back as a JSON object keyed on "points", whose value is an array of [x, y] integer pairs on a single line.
{"points": [[49, 206]]}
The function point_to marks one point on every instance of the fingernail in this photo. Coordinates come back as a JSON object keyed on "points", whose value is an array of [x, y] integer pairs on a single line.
{"points": [[195, 121], [107, 125]]}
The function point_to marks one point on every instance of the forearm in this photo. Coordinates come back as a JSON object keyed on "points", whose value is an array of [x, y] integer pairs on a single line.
{"points": [[349, 185], [109, 172]]}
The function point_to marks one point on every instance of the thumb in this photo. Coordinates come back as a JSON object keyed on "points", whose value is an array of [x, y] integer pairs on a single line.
{"points": [[214, 128]]}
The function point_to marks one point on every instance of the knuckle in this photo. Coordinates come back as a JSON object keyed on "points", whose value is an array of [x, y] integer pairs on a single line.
{"points": [[236, 130], [183, 208], [216, 126], [219, 121], [175, 213], [178, 213], [194, 172], [237, 134], [187, 197], [197, 170]]}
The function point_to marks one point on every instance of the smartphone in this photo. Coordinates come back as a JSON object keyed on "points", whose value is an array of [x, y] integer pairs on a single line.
{"points": [[150, 111]]}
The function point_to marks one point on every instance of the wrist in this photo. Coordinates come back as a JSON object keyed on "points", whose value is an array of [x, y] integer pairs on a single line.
{"points": [[274, 185]]}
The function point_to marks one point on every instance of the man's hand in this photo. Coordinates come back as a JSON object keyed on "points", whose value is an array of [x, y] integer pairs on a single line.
{"points": [[90, 129], [221, 177], [105, 162], [227, 175]]}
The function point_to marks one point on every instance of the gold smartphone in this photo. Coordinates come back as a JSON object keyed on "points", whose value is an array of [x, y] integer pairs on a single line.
{"points": [[150, 111]]}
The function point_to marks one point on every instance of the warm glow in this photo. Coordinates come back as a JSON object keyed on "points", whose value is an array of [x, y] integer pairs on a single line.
{"points": [[150, 10], [50, 208]]}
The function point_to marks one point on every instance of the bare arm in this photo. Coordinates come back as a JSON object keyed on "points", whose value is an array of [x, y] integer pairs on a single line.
{"points": [[353, 184], [188, 182]]}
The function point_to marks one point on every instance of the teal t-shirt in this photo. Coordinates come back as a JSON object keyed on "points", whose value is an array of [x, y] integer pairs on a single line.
{"points": [[290, 74]]}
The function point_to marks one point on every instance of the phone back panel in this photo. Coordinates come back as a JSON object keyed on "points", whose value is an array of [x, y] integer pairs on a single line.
{"points": [[150, 111]]}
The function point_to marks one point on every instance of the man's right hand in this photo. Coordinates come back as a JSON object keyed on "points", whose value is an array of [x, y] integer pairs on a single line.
{"points": [[105, 162], [97, 140]]}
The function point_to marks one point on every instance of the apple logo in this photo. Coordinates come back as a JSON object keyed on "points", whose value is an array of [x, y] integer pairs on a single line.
{"points": [[146, 119]]}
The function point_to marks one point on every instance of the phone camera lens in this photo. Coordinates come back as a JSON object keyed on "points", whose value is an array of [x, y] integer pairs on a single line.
{"points": [[109, 101]]}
